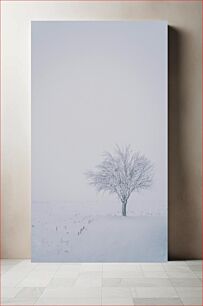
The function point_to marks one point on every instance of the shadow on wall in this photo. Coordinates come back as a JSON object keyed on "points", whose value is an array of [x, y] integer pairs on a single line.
{"points": [[183, 206]]}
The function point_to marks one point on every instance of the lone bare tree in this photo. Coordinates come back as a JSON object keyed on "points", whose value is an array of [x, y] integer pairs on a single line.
{"points": [[122, 173]]}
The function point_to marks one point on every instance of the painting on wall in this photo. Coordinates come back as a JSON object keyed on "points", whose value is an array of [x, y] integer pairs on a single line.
{"points": [[99, 141]]}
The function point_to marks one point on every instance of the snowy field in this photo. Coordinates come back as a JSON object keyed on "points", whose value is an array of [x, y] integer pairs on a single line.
{"points": [[75, 234]]}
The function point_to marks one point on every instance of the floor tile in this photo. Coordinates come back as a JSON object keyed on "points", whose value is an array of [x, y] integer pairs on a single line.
{"points": [[156, 274], [73, 265], [115, 292], [9, 292], [185, 282], [61, 282], [37, 279], [122, 267], [152, 267], [17, 274], [147, 292], [193, 262], [170, 283], [176, 268], [50, 267], [111, 282], [5, 268], [198, 274], [67, 273], [157, 301], [196, 268], [74, 292], [189, 291], [90, 274], [122, 274], [69, 301], [21, 301], [145, 282], [91, 267], [192, 301], [117, 301], [177, 274], [89, 279], [81, 282], [12, 262], [4, 301], [175, 263], [30, 292], [70, 267]]}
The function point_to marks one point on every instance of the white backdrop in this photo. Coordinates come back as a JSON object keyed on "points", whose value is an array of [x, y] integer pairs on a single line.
{"points": [[95, 85]]}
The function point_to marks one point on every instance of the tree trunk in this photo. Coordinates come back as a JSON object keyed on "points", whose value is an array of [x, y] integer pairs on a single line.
{"points": [[124, 204]]}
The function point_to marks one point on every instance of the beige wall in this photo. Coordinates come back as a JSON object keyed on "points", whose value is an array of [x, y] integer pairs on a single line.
{"points": [[184, 113]]}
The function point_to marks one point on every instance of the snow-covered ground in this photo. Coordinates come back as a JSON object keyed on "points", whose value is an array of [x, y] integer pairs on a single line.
{"points": [[74, 234]]}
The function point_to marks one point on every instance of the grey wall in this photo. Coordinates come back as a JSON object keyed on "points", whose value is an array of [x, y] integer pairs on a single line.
{"points": [[184, 113]]}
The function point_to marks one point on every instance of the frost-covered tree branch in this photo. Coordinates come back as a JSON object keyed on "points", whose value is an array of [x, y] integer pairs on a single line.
{"points": [[122, 173]]}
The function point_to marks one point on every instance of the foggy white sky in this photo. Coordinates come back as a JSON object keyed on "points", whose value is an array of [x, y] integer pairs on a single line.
{"points": [[94, 85]]}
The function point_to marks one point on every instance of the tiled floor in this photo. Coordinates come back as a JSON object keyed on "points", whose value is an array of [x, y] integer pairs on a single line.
{"points": [[172, 283]]}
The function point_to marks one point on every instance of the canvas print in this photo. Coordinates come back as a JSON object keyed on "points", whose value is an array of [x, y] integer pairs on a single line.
{"points": [[99, 141]]}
